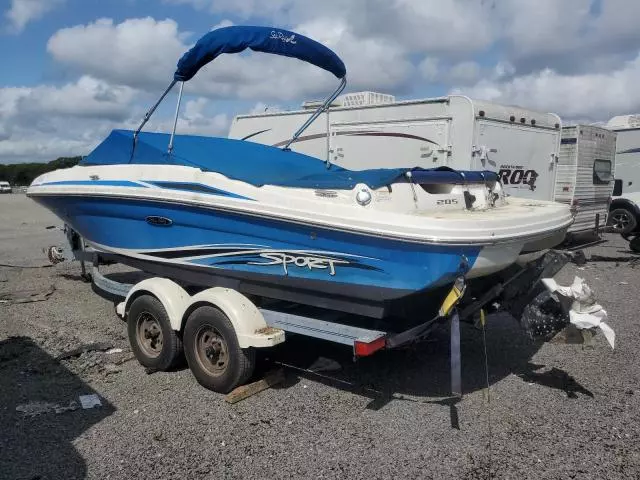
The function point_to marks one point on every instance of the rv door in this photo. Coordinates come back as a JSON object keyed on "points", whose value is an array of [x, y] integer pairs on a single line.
{"points": [[415, 143], [524, 157]]}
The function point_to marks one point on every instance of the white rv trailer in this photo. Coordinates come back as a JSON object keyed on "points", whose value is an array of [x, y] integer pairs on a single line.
{"points": [[584, 176], [371, 130], [627, 174], [624, 216]]}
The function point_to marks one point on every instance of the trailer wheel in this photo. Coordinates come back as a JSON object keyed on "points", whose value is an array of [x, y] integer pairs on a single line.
{"points": [[622, 221], [213, 353], [154, 343]]}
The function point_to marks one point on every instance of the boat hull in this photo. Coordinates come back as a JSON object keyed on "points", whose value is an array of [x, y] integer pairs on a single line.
{"points": [[318, 246], [244, 252]]}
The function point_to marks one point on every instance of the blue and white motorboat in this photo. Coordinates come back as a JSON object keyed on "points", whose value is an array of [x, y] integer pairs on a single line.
{"points": [[275, 223]]}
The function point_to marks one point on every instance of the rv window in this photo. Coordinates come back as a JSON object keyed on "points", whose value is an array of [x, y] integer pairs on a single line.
{"points": [[617, 187], [601, 172]]}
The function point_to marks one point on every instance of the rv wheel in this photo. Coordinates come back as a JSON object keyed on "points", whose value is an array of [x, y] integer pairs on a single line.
{"points": [[154, 343], [622, 221], [213, 353]]}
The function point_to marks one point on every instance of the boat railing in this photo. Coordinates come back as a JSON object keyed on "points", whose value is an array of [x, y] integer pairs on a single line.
{"points": [[316, 114]]}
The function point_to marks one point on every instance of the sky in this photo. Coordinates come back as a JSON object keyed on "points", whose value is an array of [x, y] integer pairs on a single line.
{"points": [[72, 70]]}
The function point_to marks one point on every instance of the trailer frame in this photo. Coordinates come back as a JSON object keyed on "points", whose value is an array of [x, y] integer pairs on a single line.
{"points": [[260, 324]]}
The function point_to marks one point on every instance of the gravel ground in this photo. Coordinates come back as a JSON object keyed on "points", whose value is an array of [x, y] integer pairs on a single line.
{"points": [[556, 411]]}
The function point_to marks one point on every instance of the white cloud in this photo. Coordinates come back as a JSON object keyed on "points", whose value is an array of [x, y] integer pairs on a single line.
{"points": [[594, 96], [503, 69], [139, 52], [22, 12], [9, 97], [618, 21], [240, 8], [371, 63], [143, 53], [223, 23], [44, 122], [376, 38], [260, 76], [430, 68], [420, 25], [435, 26], [86, 98], [531, 35], [570, 36], [262, 107], [35, 149], [464, 72], [195, 121], [543, 26], [196, 117]]}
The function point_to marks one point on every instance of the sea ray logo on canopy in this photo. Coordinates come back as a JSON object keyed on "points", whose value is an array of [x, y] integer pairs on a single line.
{"points": [[306, 261], [284, 38]]}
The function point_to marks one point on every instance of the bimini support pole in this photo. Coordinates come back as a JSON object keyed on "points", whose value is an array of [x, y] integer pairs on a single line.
{"points": [[316, 114], [147, 116], [175, 120]]}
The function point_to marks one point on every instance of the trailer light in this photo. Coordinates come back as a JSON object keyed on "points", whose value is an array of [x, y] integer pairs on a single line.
{"points": [[481, 113], [512, 118], [523, 120], [364, 349], [533, 121]]}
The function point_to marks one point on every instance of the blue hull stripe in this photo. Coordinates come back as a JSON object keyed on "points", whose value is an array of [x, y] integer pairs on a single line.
{"points": [[195, 187], [182, 186], [101, 183], [273, 247]]}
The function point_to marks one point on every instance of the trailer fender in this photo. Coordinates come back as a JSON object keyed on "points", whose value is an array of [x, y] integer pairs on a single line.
{"points": [[250, 326], [173, 297]]}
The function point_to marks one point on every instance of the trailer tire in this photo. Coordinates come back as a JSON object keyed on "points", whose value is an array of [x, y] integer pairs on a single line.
{"points": [[622, 220], [154, 343], [213, 353]]}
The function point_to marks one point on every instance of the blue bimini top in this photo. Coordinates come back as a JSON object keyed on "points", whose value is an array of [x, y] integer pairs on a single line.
{"points": [[257, 164], [259, 39]]}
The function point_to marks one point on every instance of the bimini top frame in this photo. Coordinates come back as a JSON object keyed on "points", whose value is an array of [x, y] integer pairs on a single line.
{"points": [[260, 39]]}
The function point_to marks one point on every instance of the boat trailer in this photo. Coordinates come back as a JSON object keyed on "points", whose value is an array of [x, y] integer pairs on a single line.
{"points": [[160, 311]]}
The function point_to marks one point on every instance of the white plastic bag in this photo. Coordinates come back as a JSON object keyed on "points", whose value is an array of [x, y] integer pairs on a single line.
{"points": [[585, 312]]}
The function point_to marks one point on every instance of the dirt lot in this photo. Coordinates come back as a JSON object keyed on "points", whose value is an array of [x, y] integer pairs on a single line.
{"points": [[556, 411]]}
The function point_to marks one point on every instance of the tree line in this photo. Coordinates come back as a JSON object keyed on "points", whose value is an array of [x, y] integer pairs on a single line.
{"points": [[25, 173]]}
